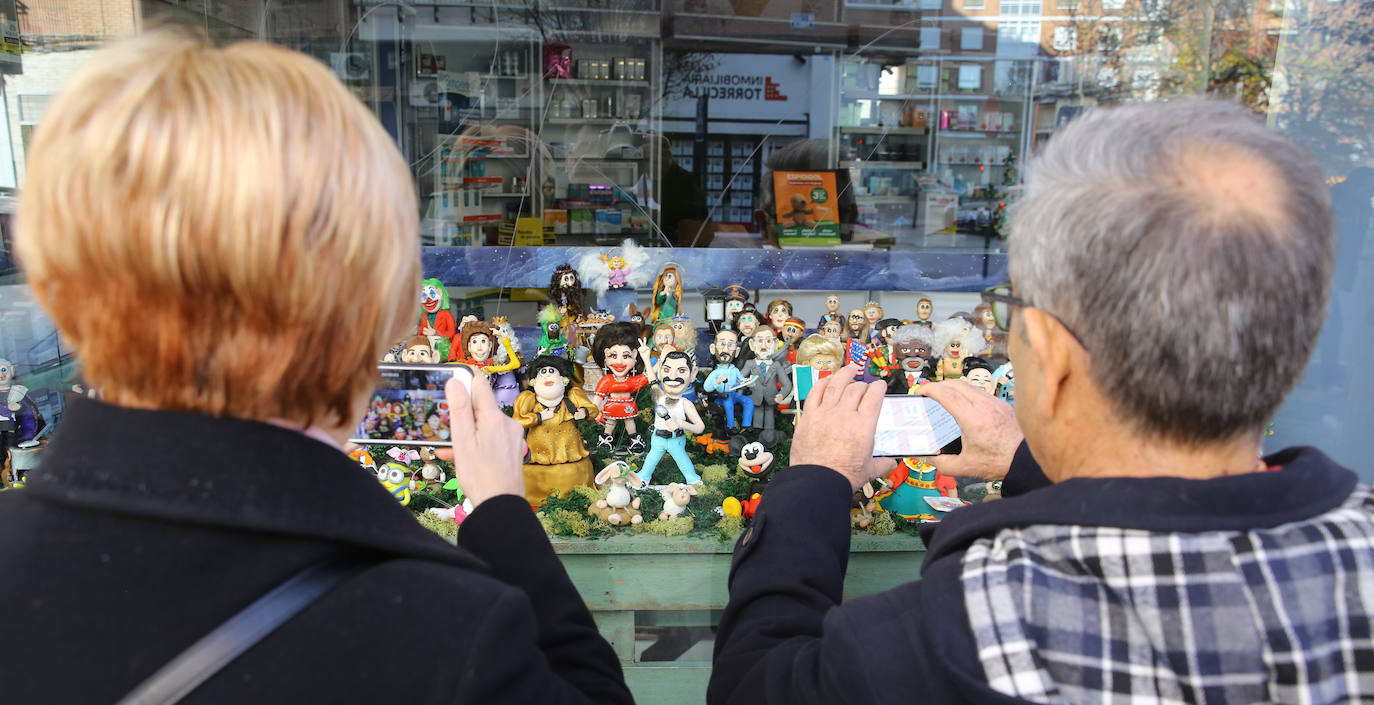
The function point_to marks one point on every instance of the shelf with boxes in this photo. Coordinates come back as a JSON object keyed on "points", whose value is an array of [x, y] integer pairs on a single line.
{"points": [[571, 125]]}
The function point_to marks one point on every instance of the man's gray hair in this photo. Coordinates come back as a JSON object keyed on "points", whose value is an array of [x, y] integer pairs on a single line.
{"points": [[911, 332], [1198, 311]]}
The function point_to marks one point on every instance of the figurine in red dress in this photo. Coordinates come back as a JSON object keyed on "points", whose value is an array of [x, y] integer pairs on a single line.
{"points": [[620, 352]]}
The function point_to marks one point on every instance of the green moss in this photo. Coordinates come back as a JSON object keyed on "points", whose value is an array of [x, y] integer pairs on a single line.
{"points": [[442, 527], [650, 503], [729, 528], [713, 474], [568, 523], [882, 524], [677, 526]]}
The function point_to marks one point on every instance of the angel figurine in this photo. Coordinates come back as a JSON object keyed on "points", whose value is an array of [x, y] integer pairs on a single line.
{"points": [[625, 269]]}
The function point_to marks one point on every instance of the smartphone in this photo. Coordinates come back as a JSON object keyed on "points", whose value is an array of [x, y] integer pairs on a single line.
{"points": [[912, 425], [410, 408]]}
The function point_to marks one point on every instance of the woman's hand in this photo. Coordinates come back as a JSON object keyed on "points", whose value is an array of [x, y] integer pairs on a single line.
{"points": [[488, 446], [836, 430]]}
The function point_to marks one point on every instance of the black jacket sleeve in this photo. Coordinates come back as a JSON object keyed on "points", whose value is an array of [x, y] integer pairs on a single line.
{"points": [[1024, 474], [504, 532], [782, 638]]}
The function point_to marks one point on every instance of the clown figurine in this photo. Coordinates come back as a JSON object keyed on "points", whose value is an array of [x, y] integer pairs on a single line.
{"points": [[615, 351], [435, 318]]}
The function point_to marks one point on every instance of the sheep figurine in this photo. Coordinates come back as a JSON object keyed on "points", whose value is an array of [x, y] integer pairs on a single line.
{"points": [[675, 499], [619, 507]]}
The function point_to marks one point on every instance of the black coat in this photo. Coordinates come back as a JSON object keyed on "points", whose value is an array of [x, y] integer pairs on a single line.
{"points": [[144, 530], [785, 637]]}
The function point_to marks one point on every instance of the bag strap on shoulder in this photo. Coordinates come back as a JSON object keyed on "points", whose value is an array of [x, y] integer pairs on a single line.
{"points": [[228, 641]]}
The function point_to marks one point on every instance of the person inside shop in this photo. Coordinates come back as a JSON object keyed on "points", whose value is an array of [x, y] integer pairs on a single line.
{"points": [[180, 227], [1144, 551]]}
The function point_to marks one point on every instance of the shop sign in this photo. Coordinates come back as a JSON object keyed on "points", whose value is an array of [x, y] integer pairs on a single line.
{"points": [[745, 87]]}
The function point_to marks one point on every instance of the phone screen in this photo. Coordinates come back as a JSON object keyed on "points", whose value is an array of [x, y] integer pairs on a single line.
{"points": [[912, 425], [410, 408]]}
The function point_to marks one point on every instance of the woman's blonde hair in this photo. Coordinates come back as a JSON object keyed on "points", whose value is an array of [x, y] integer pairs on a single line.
{"points": [[220, 230]]}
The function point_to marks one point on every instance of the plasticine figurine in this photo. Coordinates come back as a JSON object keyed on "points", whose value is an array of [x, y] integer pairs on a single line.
{"points": [[817, 357], [978, 372], [565, 293], [667, 296], [862, 507], [726, 381], [911, 350], [779, 311], [20, 420], [736, 296], [479, 342], [603, 271], [551, 340], [418, 350], [881, 353], [832, 306], [395, 477], [1005, 378], [873, 312], [582, 353], [831, 326], [615, 351], [549, 410], [619, 507], [755, 461], [619, 274], [767, 380], [455, 350], [994, 338], [924, 310], [685, 336], [793, 330], [674, 416], [821, 353], [675, 498], [913, 481], [747, 321], [855, 327], [954, 338], [661, 341], [435, 317]]}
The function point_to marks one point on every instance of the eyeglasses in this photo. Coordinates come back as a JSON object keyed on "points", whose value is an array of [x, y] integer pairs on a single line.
{"points": [[1000, 299], [1002, 303]]}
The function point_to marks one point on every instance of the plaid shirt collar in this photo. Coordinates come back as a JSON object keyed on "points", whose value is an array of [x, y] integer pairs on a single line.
{"points": [[1309, 484]]}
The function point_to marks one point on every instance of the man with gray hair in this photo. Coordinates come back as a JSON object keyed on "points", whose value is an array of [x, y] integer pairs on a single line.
{"points": [[1144, 551]]}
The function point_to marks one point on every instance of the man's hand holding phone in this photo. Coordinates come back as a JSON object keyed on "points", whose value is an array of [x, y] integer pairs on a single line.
{"points": [[991, 434], [488, 446]]}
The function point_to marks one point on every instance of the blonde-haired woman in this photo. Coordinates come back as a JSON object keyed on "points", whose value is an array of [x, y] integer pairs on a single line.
{"points": [[197, 222]]}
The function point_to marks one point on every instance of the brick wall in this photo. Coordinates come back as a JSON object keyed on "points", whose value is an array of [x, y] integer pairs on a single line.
{"points": [[55, 21]]}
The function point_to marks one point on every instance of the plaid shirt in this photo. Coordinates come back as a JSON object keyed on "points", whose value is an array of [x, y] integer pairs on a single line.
{"points": [[1069, 614]]}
